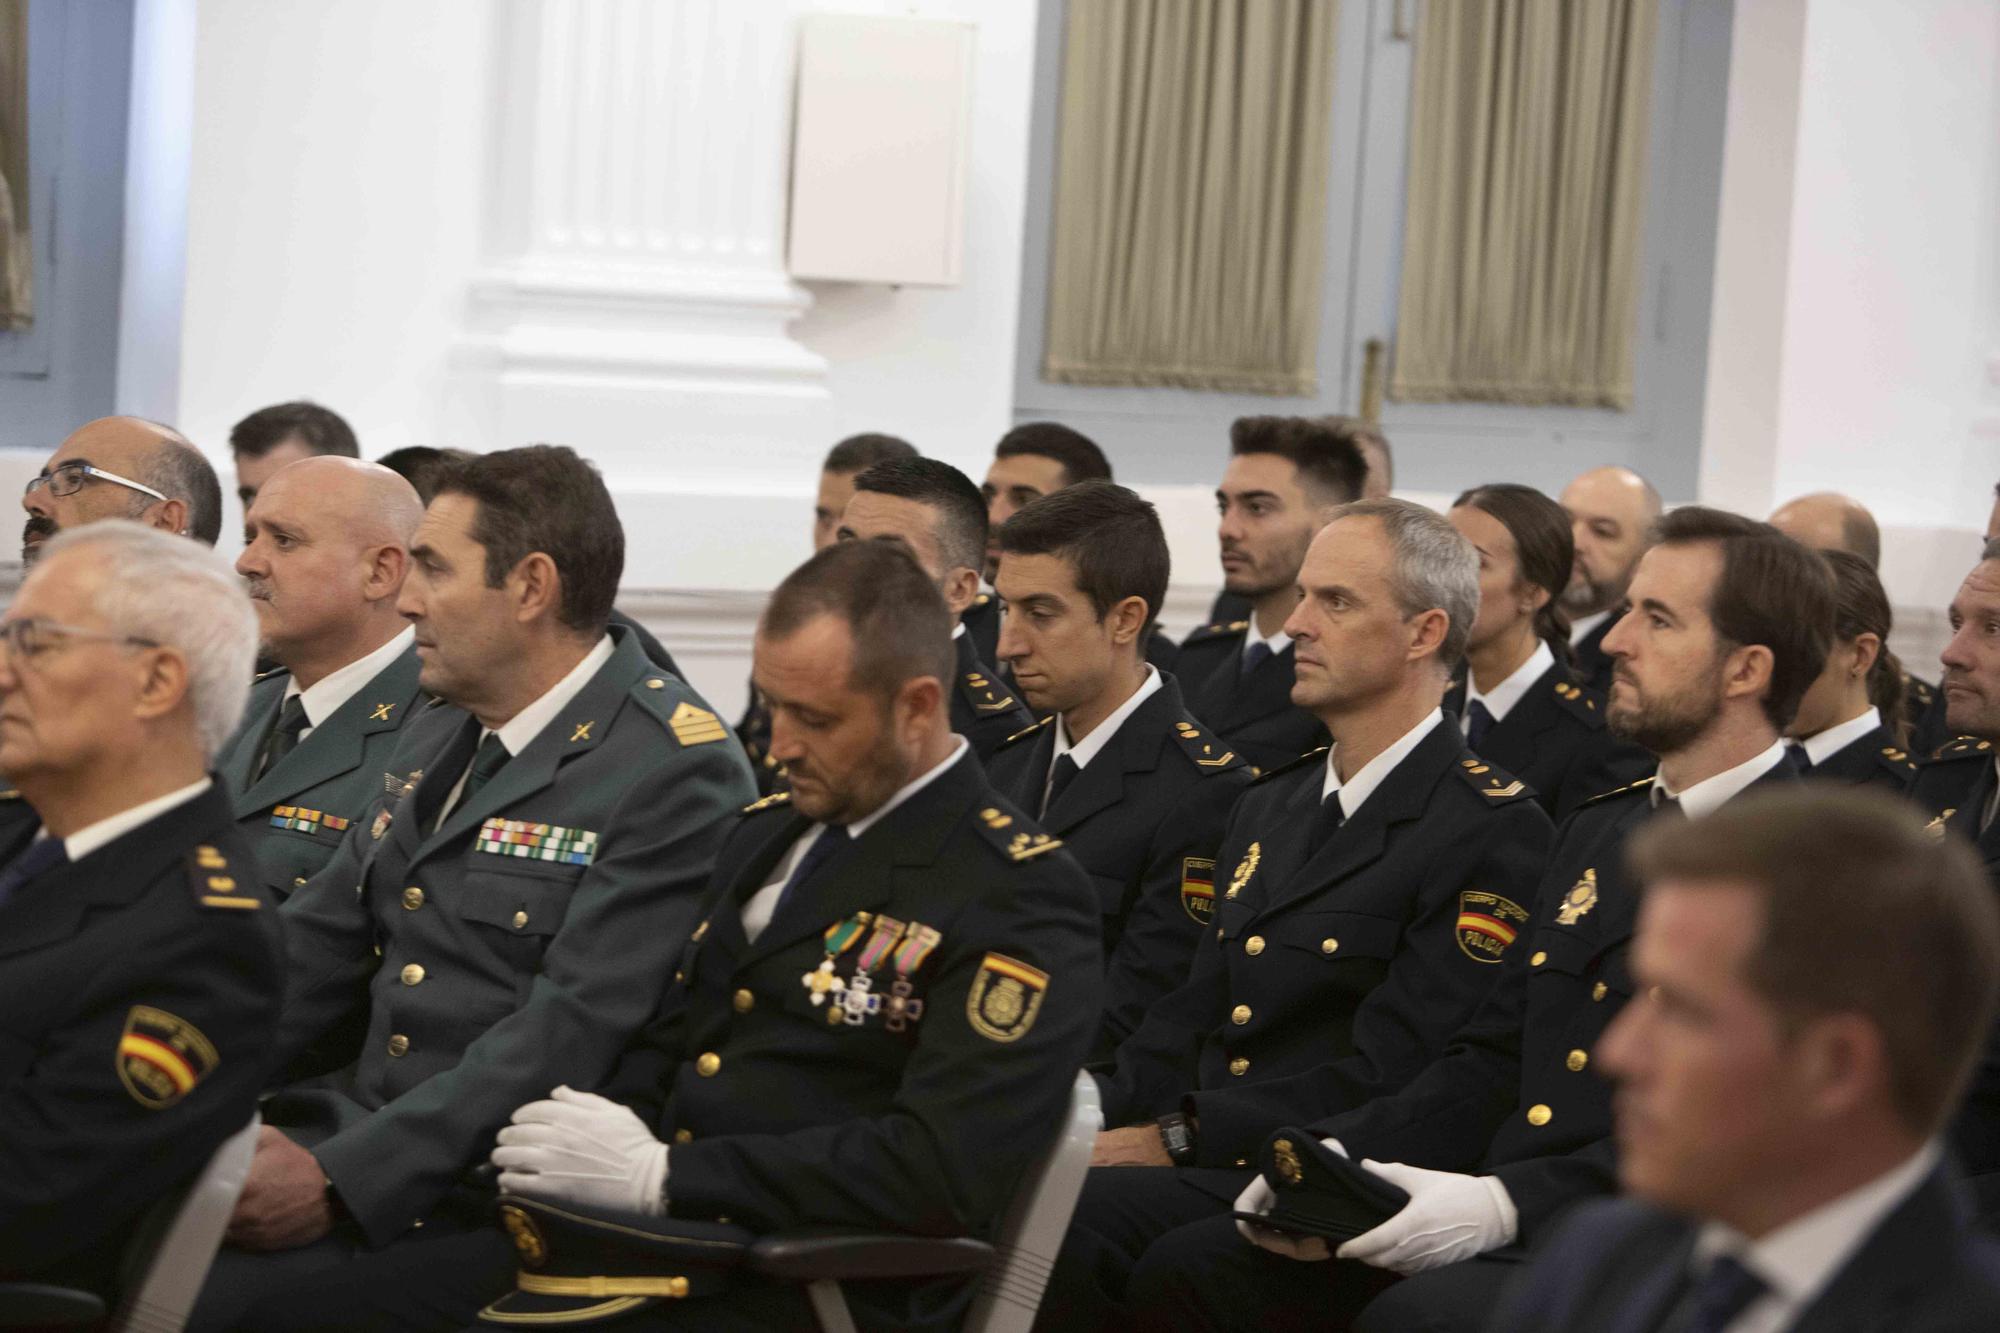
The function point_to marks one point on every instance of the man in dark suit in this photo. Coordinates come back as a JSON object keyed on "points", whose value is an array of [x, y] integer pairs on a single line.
{"points": [[1286, 476], [1137, 787], [565, 800], [328, 544], [876, 1019], [139, 963], [934, 511], [1511, 1126], [1778, 1119], [1611, 509], [1371, 893]]}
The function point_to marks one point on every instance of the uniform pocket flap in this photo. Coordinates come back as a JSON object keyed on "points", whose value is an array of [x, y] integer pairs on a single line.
{"points": [[520, 904]]}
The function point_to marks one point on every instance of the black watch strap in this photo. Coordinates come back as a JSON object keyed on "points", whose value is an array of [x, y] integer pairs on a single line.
{"points": [[1177, 1133]]}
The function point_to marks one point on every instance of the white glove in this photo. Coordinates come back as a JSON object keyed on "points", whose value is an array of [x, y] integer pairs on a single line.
{"points": [[583, 1148], [1257, 1197], [1449, 1217]]}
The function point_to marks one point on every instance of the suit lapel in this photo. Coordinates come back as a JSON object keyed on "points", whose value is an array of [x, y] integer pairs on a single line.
{"points": [[336, 747], [239, 763], [1245, 699], [1650, 1296], [725, 920], [1904, 1254], [1135, 749]]}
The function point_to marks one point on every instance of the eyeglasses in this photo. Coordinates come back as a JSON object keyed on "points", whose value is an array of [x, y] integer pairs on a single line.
{"points": [[28, 638], [68, 480]]}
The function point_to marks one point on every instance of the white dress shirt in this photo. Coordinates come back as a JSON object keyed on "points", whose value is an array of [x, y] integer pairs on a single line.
{"points": [[519, 730], [93, 836], [1363, 784], [336, 687], [1828, 743], [1278, 642], [1501, 699], [1707, 796]]}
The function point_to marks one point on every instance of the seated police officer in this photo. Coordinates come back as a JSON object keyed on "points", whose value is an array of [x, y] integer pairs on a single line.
{"points": [[1285, 477], [139, 964], [1849, 725], [1034, 459], [122, 467], [1371, 893], [567, 803], [1779, 1119], [327, 546], [933, 510], [1520, 702], [1137, 787], [1611, 512], [1511, 1126], [875, 1023]]}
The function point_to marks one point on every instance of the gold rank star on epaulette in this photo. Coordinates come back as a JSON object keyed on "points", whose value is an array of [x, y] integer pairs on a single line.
{"points": [[1493, 783], [1218, 628], [1965, 747], [1202, 748], [1898, 759], [1016, 842], [765, 803], [214, 886], [986, 701]]}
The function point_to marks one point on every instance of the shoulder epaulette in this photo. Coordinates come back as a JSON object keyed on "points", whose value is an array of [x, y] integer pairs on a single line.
{"points": [[1897, 761], [1208, 752], [1025, 732], [1216, 631], [983, 694], [1017, 839], [1965, 747], [776, 798], [1643, 784], [1583, 703], [1289, 765], [1497, 785], [690, 723], [272, 674], [1922, 691], [215, 885]]}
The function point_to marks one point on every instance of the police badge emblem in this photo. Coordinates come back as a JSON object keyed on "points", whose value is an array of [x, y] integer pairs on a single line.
{"points": [[1579, 900], [1006, 995]]}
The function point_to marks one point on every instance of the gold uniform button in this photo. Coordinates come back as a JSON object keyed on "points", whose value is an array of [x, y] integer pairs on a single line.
{"points": [[1577, 1060], [656, 684], [413, 898], [1240, 1066], [413, 974], [1240, 1015], [1254, 945], [399, 1044], [520, 920], [1539, 1115], [1540, 956], [1599, 991], [1329, 946], [298, 881], [744, 1001], [709, 1063], [683, 1136], [1243, 1161]]}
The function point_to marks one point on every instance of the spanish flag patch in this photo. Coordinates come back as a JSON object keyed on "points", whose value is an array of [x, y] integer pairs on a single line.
{"points": [[161, 1057], [1487, 924], [1198, 888]]}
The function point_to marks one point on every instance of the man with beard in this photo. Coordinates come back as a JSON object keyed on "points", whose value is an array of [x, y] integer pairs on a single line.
{"points": [[1610, 512], [327, 543], [1729, 624], [123, 467], [1286, 475]]}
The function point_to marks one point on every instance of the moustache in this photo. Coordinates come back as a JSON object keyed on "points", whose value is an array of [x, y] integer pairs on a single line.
{"points": [[39, 526], [258, 590]]}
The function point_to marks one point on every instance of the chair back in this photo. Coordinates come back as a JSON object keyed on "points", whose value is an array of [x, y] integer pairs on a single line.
{"points": [[1032, 1233], [170, 1254]]}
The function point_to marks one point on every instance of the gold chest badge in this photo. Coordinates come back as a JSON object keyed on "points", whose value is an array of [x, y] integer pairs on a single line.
{"points": [[1244, 870], [1579, 900]]}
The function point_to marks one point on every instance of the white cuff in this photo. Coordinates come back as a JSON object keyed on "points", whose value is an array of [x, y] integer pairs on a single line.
{"points": [[1503, 1207]]}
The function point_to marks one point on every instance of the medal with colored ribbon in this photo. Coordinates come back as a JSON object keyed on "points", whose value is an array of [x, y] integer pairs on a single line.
{"points": [[857, 1001], [902, 1010], [840, 938]]}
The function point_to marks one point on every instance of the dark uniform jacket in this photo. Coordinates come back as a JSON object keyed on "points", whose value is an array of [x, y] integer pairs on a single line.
{"points": [[138, 990], [1145, 819], [1554, 739], [1516, 1096], [515, 947], [1254, 713], [1946, 782], [1923, 709], [908, 1085], [297, 812], [1592, 664], [1872, 759], [984, 709], [753, 729], [1334, 978], [655, 651], [1622, 1265]]}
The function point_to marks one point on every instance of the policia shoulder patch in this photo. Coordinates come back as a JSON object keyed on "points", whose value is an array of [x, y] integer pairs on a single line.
{"points": [[161, 1056], [1006, 995]]}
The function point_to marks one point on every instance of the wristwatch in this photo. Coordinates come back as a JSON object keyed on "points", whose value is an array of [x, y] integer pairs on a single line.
{"points": [[1177, 1133]]}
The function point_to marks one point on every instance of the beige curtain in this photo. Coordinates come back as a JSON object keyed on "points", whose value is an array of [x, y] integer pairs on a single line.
{"points": [[1521, 239], [1191, 194], [17, 293]]}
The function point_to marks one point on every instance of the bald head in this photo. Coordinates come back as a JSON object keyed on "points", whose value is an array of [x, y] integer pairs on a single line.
{"points": [[1828, 521], [326, 547], [1611, 510], [124, 467]]}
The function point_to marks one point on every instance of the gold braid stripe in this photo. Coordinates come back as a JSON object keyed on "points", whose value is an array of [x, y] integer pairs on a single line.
{"points": [[540, 1284]]}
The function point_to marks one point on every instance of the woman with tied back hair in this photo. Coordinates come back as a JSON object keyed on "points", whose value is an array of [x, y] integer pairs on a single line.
{"points": [[1849, 726], [1520, 704]]}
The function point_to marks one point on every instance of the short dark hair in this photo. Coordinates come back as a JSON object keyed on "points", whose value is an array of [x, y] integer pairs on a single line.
{"points": [[1111, 537], [1861, 606], [545, 498], [899, 622], [1773, 592], [1079, 455], [1849, 873], [178, 470], [1330, 462], [1544, 547], [961, 512], [858, 453], [319, 429], [421, 465]]}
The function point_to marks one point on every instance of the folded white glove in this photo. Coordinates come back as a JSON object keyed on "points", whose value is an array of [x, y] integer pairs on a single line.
{"points": [[1449, 1217], [1257, 1197], [583, 1148]]}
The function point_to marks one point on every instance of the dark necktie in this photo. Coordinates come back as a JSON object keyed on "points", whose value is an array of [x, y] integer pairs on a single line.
{"points": [[1725, 1291], [830, 840], [43, 855], [1478, 721], [1325, 823], [1796, 756], [284, 737], [1254, 656], [486, 761], [1061, 774]]}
